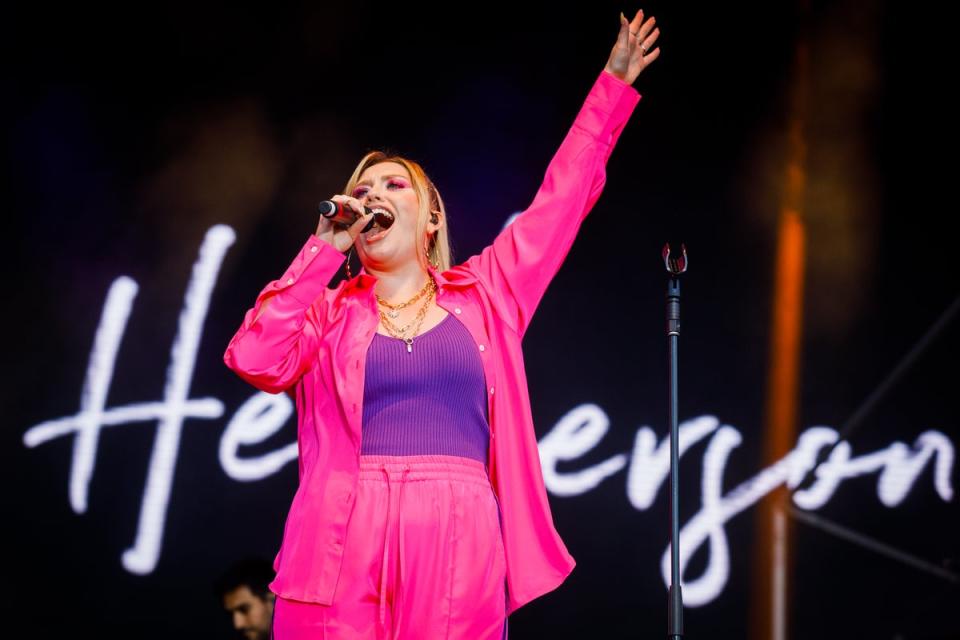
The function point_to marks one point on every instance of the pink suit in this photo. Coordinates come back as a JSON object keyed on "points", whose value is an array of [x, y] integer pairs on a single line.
{"points": [[311, 342]]}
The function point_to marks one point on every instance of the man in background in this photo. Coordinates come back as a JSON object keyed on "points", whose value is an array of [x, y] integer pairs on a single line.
{"points": [[243, 591]]}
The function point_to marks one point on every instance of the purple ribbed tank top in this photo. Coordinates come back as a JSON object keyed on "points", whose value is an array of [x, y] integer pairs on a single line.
{"points": [[430, 401]]}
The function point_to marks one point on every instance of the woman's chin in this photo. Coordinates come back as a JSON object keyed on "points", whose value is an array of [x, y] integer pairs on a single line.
{"points": [[384, 258]]}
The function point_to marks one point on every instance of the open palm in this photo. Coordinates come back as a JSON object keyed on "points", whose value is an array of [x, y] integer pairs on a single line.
{"points": [[634, 49]]}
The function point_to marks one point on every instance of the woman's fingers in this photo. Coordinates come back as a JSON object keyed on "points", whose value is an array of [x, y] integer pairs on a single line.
{"points": [[339, 235], [637, 21], [635, 47], [643, 31], [651, 55], [646, 45], [643, 34], [351, 202], [353, 228], [359, 224], [623, 38]]}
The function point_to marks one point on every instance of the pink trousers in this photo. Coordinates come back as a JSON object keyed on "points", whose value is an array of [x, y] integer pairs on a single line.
{"points": [[423, 558]]}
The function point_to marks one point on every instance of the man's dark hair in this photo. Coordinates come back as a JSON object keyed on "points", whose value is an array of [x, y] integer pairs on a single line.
{"points": [[253, 572]]}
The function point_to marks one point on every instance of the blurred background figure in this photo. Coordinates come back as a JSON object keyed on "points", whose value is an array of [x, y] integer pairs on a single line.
{"points": [[242, 589]]}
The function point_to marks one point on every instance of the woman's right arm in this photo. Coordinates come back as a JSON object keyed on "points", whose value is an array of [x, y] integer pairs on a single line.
{"points": [[279, 337]]}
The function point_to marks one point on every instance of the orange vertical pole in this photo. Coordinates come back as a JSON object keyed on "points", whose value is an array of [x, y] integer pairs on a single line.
{"points": [[772, 558]]}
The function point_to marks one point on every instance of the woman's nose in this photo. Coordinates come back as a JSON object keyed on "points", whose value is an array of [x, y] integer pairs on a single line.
{"points": [[372, 195]]}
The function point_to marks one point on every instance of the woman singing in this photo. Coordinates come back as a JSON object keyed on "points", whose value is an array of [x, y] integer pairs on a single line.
{"points": [[421, 511]]}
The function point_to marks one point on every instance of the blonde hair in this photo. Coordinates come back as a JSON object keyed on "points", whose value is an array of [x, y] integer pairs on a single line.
{"points": [[438, 249]]}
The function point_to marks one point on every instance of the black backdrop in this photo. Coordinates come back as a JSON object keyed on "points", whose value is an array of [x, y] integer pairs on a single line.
{"points": [[130, 133]]}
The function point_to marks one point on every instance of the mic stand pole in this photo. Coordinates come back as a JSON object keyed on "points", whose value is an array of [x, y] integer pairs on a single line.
{"points": [[675, 267]]}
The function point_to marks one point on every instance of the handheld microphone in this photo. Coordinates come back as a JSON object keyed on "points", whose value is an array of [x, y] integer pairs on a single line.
{"points": [[340, 213]]}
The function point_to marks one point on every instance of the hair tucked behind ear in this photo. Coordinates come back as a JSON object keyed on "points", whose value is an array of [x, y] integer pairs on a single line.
{"points": [[439, 251]]}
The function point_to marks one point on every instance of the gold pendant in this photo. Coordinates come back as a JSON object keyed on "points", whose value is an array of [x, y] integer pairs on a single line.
{"points": [[409, 342], [393, 314]]}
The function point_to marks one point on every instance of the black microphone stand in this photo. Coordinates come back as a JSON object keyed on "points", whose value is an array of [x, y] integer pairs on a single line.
{"points": [[675, 267]]}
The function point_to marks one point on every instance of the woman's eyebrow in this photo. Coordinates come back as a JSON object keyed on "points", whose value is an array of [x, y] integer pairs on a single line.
{"points": [[392, 175]]}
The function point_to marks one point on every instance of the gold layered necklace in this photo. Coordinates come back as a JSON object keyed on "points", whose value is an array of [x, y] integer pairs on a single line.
{"points": [[393, 311]]}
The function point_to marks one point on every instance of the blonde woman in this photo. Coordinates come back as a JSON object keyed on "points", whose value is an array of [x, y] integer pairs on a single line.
{"points": [[421, 510]]}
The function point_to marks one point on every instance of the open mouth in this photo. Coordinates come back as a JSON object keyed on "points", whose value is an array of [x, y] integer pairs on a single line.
{"points": [[382, 217], [382, 222]]}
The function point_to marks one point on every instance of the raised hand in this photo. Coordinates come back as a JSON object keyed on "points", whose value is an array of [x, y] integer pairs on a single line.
{"points": [[633, 50]]}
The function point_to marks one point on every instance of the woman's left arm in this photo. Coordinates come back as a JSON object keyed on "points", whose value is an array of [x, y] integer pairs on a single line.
{"points": [[517, 268]]}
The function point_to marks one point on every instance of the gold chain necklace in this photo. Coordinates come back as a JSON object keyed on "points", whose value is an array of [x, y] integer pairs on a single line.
{"points": [[398, 332], [394, 309]]}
